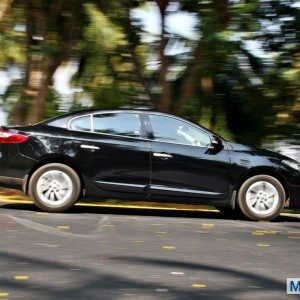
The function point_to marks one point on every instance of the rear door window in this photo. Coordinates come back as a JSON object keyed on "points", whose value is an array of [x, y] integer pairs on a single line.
{"points": [[81, 124], [124, 124]]}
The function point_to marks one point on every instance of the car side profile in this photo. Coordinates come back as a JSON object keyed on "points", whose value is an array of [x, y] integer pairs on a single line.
{"points": [[143, 155]]}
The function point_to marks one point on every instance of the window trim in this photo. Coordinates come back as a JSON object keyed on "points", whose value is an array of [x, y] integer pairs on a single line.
{"points": [[145, 124], [109, 134]]}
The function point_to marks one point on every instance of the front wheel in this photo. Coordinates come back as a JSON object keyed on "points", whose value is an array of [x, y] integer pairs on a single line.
{"points": [[261, 197], [54, 187]]}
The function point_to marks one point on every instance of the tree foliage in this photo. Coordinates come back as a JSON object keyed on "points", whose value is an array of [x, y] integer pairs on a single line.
{"points": [[239, 76]]}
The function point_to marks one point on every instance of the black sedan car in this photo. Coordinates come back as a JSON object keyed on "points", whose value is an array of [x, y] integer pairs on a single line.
{"points": [[143, 155]]}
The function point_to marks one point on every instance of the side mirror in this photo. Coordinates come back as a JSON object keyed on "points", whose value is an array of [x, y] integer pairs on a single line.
{"points": [[216, 143]]}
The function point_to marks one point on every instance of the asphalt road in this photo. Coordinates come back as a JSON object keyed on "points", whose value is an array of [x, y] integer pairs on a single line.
{"points": [[110, 253]]}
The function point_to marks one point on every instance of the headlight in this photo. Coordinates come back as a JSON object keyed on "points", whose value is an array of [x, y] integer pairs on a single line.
{"points": [[291, 164]]}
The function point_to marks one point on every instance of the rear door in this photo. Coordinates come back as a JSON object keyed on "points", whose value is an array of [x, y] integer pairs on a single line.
{"points": [[112, 151]]}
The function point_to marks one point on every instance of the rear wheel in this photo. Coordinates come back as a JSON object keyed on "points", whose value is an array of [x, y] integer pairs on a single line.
{"points": [[261, 197], [54, 187]]}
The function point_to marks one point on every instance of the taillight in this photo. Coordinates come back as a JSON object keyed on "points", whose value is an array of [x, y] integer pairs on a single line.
{"points": [[8, 137]]}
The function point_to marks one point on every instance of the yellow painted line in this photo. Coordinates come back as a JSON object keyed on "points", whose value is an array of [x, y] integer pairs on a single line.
{"points": [[272, 232], [4, 199], [263, 245], [265, 231], [138, 241], [63, 227], [168, 247], [208, 225], [15, 201], [199, 285], [41, 213], [21, 277], [108, 225], [160, 232], [145, 207], [4, 294], [258, 233]]}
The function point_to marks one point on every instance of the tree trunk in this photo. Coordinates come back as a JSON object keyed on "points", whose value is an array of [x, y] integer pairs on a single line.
{"points": [[133, 44], [39, 78], [4, 5], [220, 12], [42, 20], [188, 88], [163, 103]]}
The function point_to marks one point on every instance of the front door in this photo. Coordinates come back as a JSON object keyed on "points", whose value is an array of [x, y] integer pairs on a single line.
{"points": [[183, 162]]}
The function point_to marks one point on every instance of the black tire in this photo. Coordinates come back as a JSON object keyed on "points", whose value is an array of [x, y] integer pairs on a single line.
{"points": [[50, 174], [266, 210]]}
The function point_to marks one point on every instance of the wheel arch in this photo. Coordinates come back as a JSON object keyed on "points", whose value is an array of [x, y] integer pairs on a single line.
{"points": [[55, 159]]}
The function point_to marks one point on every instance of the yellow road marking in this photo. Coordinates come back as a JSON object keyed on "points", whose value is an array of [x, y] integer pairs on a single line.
{"points": [[63, 227], [138, 241], [168, 247], [262, 232], [160, 232], [199, 285], [272, 232], [4, 294], [21, 277], [5, 200], [8, 200], [258, 233], [263, 245], [15, 201]]}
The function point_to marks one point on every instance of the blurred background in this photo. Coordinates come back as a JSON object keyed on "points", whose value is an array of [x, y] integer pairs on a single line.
{"points": [[232, 66]]}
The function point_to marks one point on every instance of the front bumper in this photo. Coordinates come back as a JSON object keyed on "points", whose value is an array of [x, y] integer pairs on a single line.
{"points": [[294, 199], [292, 179]]}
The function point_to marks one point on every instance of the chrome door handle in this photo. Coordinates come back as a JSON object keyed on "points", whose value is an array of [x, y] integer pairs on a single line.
{"points": [[162, 155], [90, 147]]}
